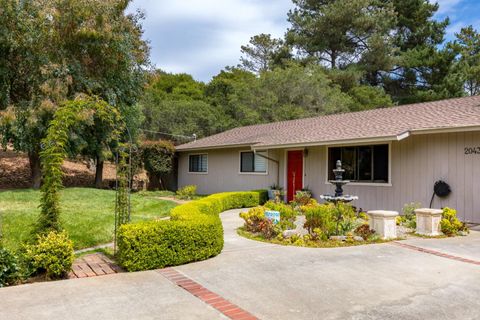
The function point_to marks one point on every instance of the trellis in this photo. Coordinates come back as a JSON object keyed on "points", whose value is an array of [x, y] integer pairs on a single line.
{"points": [[84, 109]]}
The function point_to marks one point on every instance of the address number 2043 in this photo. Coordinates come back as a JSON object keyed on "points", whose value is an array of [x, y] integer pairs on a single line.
{"points": [[472, 150]]}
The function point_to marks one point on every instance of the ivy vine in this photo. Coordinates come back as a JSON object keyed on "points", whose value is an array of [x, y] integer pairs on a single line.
{"points": [[82, 111]]}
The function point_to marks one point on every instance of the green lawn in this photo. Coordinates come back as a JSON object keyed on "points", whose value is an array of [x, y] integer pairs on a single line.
{"points": [[87, 214]]}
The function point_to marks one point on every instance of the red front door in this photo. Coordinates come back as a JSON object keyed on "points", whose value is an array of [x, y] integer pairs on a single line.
{"points": [[294, 173]]}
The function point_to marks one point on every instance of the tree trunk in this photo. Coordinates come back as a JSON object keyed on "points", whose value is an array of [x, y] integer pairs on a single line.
{"points": [[35, 169], [99, 174], [154, 182]]}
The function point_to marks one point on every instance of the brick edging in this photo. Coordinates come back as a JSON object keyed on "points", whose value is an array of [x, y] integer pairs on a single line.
{"points": [[227, 308], [435, 253]]}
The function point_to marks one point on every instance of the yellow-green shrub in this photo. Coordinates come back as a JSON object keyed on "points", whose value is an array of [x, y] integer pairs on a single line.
{"points": [[194, 232], [450, 225], [187, 192], [52, 254], [253, 218]]}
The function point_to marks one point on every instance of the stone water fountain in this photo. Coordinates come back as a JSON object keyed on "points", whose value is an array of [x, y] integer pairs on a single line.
{"points": [[338, 183], [338, 197]]}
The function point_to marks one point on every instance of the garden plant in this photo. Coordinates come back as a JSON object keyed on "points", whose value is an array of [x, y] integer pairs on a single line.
{"points": [[193, 233], [326, 225]]}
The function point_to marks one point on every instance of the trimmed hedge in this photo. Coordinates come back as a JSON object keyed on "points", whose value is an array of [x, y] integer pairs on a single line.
{"points": [[194, 232]]}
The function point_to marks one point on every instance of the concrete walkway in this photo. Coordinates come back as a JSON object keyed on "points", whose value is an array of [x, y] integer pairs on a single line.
{"points": [[275, 282]]}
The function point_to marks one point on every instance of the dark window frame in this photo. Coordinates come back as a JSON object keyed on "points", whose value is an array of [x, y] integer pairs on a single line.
{"points": [[253, 163], [197, 167], [380, 174]]}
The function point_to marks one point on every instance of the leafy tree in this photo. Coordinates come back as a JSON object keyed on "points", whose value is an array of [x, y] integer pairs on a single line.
{"points": [[292, 92], [158, 160], [297, 92], [176, 104], [263, 52], [467, 45], [57, 49], [394, 44], [228, 90], [368, 97], [342, 32], [182, 118], [168, 86], [422, 69]]}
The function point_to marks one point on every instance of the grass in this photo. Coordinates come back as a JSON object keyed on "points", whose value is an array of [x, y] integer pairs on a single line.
{"points": [[87, 214]]}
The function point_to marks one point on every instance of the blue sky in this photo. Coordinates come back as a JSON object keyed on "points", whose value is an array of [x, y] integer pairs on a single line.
{"points": [[201, 37]]}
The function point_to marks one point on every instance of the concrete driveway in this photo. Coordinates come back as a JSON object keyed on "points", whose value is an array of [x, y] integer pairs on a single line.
{"points": [[276, 282]]}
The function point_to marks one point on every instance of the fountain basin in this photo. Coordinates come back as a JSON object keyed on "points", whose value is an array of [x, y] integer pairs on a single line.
{"points": [[343, 198]]}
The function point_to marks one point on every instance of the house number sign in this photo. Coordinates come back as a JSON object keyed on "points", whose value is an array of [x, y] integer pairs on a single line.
{"points": [[472, 150]]}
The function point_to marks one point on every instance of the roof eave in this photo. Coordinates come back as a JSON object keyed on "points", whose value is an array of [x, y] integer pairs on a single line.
{"points": [[397, 137], [327, 143], [446, 129], [227, 146]]}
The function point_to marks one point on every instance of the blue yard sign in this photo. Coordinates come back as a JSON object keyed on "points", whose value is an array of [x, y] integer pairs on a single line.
{"points": [[273, 216]]}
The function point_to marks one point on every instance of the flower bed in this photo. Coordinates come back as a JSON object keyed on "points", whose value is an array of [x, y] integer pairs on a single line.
{"points": [[304, 222], [194, 232]]}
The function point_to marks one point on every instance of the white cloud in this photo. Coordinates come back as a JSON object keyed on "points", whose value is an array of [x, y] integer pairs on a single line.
{"points": [[202, 37], [446, 6]]}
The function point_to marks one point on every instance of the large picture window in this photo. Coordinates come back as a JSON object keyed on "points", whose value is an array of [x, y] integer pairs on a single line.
{"points": [[361, 163], [198, 163], [253, 162]]}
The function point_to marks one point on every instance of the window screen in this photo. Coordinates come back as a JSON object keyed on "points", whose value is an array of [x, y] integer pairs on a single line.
{"points": [[198, 163], [252, 162]]}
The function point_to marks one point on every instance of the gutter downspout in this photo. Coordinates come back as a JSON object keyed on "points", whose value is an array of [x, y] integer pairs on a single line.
{"points": [[273, 160]]}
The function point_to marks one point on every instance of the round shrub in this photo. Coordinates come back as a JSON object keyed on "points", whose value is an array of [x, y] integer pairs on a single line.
{"points": [[330, 219], [9, 270], [52, 254], [253, 218], [450, 225], [320, 219], [187, 192]]}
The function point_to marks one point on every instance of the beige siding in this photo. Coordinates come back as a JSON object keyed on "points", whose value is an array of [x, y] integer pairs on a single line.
{"points": [[416, 163], [224, 172]]}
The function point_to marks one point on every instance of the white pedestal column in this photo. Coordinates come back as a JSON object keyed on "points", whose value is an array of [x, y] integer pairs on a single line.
{"points": [[384, 223], [428, 221]]}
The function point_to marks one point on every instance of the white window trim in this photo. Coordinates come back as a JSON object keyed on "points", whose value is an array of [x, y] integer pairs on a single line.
{"points": [[371, 184], [251, 173], [188, 162]]}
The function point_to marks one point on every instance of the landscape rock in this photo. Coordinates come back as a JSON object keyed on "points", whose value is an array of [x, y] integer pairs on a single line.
{"points": [[358, 238], [338, 238], [289, 233]]}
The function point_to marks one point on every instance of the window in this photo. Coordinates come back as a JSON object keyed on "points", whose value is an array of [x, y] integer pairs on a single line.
{"points": [[253, 162], [361, 163], [198, 163]]}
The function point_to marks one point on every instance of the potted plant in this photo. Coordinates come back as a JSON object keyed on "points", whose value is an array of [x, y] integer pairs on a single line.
{"points": [[275, 192]]}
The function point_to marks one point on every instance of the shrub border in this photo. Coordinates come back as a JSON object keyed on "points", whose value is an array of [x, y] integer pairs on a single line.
{"points": [[193, 233]]}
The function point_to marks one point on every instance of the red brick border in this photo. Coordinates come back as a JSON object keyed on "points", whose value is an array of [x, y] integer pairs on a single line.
{"points": [[93, 265], [435, 253], [229, 309]]}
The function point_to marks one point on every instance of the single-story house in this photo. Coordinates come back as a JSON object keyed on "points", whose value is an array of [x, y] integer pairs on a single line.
{"points": [[392, 156]]}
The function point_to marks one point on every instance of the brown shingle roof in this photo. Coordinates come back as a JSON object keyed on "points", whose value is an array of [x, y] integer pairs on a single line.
{"points": [[381, 123]]}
